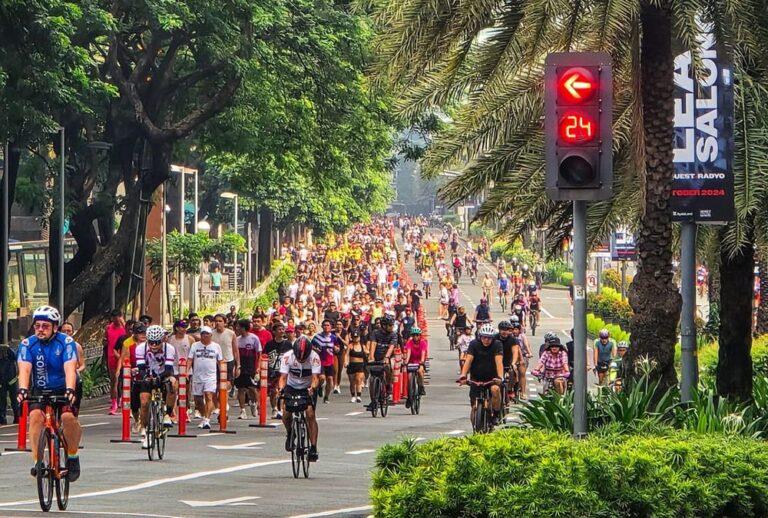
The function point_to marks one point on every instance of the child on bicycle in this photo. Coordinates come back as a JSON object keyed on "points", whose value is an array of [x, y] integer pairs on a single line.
{"points": [[553, 365], [462, 344]]}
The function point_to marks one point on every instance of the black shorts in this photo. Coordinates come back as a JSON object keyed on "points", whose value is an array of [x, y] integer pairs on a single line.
{"points": [[603, 366], [475, 391], [146, 386], [290, 391], [71, 409], [355, 367], [245, 381], [329, 370]]}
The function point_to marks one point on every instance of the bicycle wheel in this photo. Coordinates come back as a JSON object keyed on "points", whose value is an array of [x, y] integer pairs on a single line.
{"points": [[383, 400], [295, 449], [45, 470], [305, 446], [374, 392], [151, 432], [413, 392], [161, 433], [62, 483]]}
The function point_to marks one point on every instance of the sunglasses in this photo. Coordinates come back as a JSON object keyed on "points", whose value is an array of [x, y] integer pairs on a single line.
{"points": [[43, 325]]}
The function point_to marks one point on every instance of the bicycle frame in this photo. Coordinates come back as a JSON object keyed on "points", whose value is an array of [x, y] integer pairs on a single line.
{"points": [[52, 425]]}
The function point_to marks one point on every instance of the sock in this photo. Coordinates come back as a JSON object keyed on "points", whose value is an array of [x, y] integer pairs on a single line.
{"points": [[75, 456]]}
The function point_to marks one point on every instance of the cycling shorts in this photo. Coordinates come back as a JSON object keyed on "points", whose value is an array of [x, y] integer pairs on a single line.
{"points": [[65, 409], [290, 391]]}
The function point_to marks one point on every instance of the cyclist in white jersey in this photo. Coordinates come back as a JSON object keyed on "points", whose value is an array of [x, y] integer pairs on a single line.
{"points": [[300, 375], [155, 361]]}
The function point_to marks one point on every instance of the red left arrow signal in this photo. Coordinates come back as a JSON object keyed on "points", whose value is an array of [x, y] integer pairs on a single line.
{"points": [[576, 85]]}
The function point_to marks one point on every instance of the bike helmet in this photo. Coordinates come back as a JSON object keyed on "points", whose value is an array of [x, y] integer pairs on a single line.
{"points": [[415, 330], [155, 334], [387, 321], [302, 347], [514, 319], [516, 325], [47, 313], [554, 342], [525, 267], [622, 345], [487, 330], [532, 287], [604, 333], [504, 324], [550, 336]]}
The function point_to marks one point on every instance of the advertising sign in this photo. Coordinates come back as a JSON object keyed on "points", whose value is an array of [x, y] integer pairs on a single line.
{"points": [[702, 190], [623, 246]]}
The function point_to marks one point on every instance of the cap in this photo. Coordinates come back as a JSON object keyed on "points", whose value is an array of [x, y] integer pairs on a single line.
{"points": [[206, 329]]}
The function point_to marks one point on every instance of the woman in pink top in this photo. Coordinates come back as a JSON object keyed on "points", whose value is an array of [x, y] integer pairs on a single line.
{"points": [[416, 349], [113, 332]]}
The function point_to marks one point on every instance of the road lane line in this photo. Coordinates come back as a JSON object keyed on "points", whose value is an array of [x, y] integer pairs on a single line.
{"points": [[547, 312], [215, 503], [353, 413], [333, 512], [359, 452], [103, 513], [162, 481], [242, 446]]}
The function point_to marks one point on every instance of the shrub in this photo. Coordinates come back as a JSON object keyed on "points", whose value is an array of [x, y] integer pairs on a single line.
{"points": [[566, 278], [554, 269], [659, 472], [708, 358], [516, 249], [612, 279]]}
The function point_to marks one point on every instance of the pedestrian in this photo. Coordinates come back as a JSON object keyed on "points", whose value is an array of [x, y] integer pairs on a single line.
{"points": [[114, 331], [204, 357], [9, 373]]}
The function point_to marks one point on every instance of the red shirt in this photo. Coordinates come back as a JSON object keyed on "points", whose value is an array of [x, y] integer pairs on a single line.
{"points": [[264, 336], [416, 348]]}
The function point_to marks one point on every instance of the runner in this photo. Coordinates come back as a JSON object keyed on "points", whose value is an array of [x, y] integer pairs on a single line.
{"points": [[204, 357]]}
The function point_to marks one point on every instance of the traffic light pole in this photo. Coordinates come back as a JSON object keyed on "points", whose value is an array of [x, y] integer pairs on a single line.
{"points": [[688, 316], [579, 318]]}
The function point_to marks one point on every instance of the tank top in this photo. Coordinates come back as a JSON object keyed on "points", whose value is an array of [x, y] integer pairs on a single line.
{"points": [[354, 353], [460, 321]]}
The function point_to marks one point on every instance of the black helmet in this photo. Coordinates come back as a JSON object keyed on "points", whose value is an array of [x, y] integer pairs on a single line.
{"points": [[504, 325], [387, 321], [302, 347]]}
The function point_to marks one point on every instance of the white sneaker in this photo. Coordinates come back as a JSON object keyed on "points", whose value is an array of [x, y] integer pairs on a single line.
{"points": [[359, 399], [206, 424], [144, 442], [197, 415], [353, 400], [253, 409], [365, 385], [279, 414], [274, 414], [202, 424], [242, 414], [167, 421], [337, 390]]}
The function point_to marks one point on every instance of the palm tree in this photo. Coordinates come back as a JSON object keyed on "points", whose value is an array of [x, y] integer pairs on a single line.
{"points": [[481, 62]]}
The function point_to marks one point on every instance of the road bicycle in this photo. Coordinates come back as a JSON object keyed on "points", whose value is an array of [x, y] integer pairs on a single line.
{"points": [[452, 337], [533, 320], [482, 415], [457, 273], [297, 405], [156, 430], [413, 387], [51, 471], [377, 386], [503, 300], [473, 274]]}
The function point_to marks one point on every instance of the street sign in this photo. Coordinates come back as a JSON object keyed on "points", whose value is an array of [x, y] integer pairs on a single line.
{"points": [[591, 281], [623, 246], [702, 190], [579, 102]]}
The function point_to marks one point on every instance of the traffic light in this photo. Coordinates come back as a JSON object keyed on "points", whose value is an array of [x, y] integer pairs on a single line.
{"points": [[578, 117]]}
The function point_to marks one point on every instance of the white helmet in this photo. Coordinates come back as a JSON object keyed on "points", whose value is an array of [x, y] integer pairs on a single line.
{"points": [[155, 333], [47, 313], [487, 330]]}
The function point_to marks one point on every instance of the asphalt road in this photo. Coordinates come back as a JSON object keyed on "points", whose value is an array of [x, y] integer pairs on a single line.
{"points": [[249, 473]]}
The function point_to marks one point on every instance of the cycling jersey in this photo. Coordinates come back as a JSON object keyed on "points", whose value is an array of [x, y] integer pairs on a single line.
{"points": [[324, 345], [48, 359], [534, 301], [155, 363], [503, 284], [482, 313], [300, 373], [604, 352], [382, 341]]}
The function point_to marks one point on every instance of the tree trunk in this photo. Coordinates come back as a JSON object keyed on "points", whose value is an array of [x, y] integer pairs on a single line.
{"points": [[13, 174], [653, 295], [265, 242], [734, 366], [762, 309]]}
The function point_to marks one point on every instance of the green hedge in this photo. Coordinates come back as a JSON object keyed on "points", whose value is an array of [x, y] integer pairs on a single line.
{"points": [[708, 358], [282, 278], [609, 305], [536, 473], [516, 249], [595, 324]]}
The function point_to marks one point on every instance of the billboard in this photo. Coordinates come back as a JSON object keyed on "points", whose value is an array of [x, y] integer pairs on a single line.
{"points": [[623, 246], [702, 190]]}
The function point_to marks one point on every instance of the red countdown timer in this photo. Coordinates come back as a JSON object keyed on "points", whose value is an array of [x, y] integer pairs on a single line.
{"points": [[577, 128]]}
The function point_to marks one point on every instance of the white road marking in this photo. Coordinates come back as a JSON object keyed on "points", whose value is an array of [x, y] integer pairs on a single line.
{"points": [[454, 432], [209, 434], [243, 446], [13, 453], [353, 413], [93, 424], [547, 312], [333, 512], [215, 503], [321, 418], [162, 481], [109, 513], [359, 452]]}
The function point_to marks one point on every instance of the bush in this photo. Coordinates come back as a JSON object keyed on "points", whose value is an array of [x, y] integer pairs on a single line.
{"points": [[609, 305], [566, 278], [553, 270], [595, 324], [708, 358], [516, 249], [659, 472], [612, 279]]}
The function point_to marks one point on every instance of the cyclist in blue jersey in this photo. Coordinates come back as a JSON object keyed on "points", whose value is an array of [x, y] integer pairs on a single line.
{"points": [[48, 362]]}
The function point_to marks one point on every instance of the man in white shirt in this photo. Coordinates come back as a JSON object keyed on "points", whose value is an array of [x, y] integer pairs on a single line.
{"points": [[299, 378], [204, 357]]}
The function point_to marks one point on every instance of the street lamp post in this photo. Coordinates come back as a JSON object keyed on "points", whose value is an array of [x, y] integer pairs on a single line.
{"points": [[62, 172], [182, 225], [233, 196]]}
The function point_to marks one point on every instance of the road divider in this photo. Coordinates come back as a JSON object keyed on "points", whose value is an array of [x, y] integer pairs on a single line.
{"points": [[125, 403], [183, 415]]}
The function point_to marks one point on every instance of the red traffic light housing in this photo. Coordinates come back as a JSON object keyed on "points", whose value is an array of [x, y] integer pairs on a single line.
{"points": [[578, 101]]}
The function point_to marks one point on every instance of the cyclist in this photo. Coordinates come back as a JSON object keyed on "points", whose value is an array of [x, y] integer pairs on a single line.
{"points": [[487, 286], [503, 291], [482, 313], [510, 346], [525, 355], [457, 264], [604, 350], [426, 281], [458, 322], [48, 361], [381, 346], [416, 349], [154, 360], [462, 344], [553, 365], [300, 376], [484, 363], [534, 302]]}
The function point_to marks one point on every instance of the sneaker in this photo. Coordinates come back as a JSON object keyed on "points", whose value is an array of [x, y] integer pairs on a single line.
{"points": [[215, 412], [325, 400], [312, 456], [274, 414], [242, 414], [337, 390], [167, 421], [144, 442], [279, 414], [288, 442], [253, 409], [202, 424], [422, 392], [197, 415], [353, 400], [408, 403], [73, 469], [320, 391], [206, 424], [359, 399], [365, 385]]}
